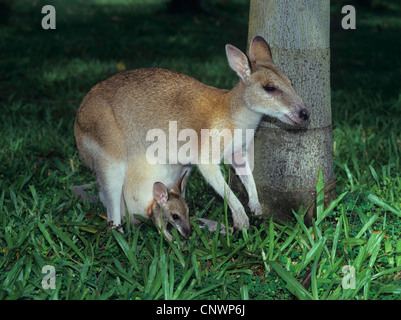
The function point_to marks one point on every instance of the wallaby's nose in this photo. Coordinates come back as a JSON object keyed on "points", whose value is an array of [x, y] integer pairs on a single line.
{"points": [[304, 114], [186, 232]]}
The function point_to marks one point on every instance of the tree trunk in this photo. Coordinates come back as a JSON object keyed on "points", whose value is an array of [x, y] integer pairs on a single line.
{"points": [[287, 159]]}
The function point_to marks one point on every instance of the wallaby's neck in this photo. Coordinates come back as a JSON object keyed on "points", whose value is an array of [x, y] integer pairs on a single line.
{"points": [[243, 117]]}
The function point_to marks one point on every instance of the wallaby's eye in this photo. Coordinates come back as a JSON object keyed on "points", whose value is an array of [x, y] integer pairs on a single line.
{"points": [[269, 88], [175, 216]]}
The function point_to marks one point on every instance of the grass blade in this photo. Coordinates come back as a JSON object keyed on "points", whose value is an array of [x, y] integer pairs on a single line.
{"points": [[293, 285], [126, 249], [313, 252], [398, 253], [271, 239], [165, 276], [183, 282], [203, 291], [367, 225], [374, 175], [171, 278], [319, 195], [330, 208], [374, 199], [65, 239], [152, 281], [336, 239], [244, 292], [84, 272], [304, 228], [24, 235], [14, 273], [178, 253]]}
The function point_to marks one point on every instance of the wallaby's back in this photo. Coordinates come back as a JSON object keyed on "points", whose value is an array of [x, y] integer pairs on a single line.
{"points": [[131, 103]]}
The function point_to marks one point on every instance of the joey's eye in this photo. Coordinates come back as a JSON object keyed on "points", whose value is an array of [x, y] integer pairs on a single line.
{"points": [[175, 216], [269, 88]]}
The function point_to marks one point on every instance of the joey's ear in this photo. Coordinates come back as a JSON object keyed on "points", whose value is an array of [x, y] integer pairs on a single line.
{"points": [[238, 62], [160, 192], [179, 187], [259, 51]]}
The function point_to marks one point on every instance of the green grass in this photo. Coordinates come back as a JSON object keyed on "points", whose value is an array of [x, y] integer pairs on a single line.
{"points": [[45, 74]]}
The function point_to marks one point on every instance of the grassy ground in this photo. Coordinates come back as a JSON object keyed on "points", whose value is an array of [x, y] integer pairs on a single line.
{"points": [[44, 76]]}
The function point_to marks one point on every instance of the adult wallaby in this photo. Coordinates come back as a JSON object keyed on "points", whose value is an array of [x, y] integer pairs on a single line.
{"points": [[117, 114]]}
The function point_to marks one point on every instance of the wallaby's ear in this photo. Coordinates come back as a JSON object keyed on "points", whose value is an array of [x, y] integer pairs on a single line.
{"points": [[259, 51], [160, 192], [179, 187], [238, 62]]}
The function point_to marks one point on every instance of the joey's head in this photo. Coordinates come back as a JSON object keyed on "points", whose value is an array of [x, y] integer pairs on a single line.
{"points": [[266, 89], [171, 207]]}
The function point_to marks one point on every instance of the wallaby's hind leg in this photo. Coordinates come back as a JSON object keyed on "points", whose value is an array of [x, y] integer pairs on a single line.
{"points": [[111, 181], [137, 188], [101, 146]]}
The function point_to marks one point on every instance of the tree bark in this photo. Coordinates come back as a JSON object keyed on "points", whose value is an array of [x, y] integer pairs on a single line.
{"points": [[287, 158]]}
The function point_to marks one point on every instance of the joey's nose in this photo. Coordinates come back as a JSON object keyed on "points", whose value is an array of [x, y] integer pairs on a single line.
{"points": [[304, 114], [187, 233]]}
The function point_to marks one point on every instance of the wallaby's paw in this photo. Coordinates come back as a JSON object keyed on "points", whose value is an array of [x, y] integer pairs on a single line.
{"points": [[118, 228], [256, 208], [241, 222]]}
